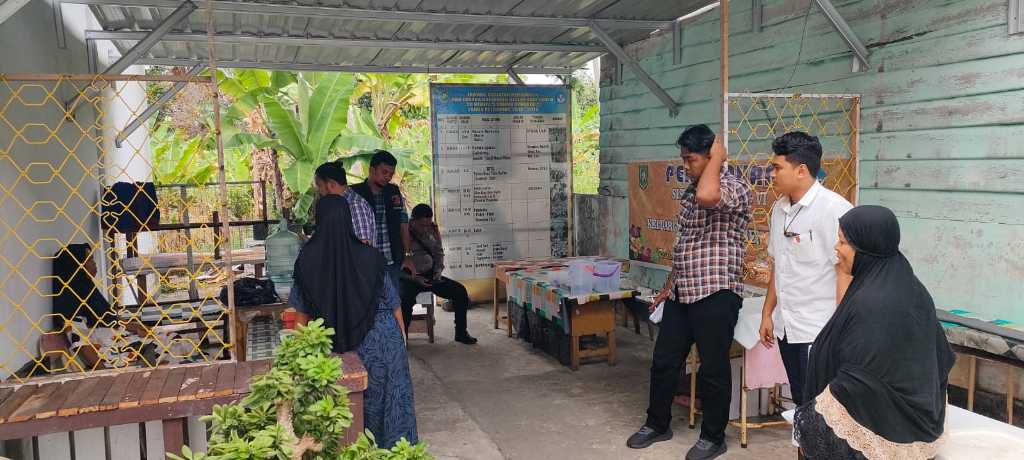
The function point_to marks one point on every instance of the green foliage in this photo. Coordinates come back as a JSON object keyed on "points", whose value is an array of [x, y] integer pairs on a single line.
{"points": [[298, 403], [318, 117], [178, 160], [586, 124], [306, 124]]}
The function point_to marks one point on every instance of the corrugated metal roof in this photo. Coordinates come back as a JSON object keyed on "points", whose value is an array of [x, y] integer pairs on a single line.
{"points": [[531, 36]]}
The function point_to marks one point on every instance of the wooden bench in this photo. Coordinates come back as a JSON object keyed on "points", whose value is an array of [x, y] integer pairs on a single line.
{"points": [[422, 320], [168, 394]]}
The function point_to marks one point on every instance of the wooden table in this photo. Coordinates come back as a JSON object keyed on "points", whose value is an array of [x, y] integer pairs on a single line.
{"points": [[171, 394], [185, 264], [580, 316], [501, 272], [249, 313], [595, 318]]}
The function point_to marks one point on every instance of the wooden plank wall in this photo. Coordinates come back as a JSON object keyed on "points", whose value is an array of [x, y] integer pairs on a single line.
{"points": [[122, 442], [942, 139]]}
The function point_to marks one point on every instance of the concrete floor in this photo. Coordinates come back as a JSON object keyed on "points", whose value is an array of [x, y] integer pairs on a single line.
{"points": [[501, 399]]}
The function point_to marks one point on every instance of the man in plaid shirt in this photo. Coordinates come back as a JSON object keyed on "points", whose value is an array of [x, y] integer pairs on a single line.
{"points": [[330, 180], [701, 295]]}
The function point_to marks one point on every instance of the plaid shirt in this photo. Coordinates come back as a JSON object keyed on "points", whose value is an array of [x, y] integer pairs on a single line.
{"points": [[363, 220], [383, 236], [709, 250]]}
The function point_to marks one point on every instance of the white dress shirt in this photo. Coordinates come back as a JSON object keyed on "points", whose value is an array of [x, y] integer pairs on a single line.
{"points": [[805, 278]]}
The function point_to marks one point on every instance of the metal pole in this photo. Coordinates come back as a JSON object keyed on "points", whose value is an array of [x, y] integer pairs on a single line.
{"points": [[151, 38], [614, 48], [247, 39], [152, 109], [515, 77], [397, 15], [363, 68], [724, 9], [844, 30]]}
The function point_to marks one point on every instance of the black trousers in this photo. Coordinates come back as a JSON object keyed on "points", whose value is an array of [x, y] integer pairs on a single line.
{"points": [[446, 288], [794, 357], [709, 323]]}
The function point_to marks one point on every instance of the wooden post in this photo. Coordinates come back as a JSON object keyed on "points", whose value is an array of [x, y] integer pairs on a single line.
{"points": [[724, 132], [495, 299], [190, 259], [855, 149], [743, 400], [972, 375], [174, 435], [225, 228], [1010, 393]]}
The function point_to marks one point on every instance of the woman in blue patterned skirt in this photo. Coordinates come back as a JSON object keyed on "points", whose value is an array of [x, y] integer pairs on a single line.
{"points": [[342, 280]]}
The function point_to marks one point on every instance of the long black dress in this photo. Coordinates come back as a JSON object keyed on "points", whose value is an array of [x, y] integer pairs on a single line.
{"points": [[877, 373], [341, 280]]}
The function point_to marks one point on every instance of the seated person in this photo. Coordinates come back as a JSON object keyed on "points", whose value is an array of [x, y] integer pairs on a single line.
{"points": [[93, 329], [428, 256]]}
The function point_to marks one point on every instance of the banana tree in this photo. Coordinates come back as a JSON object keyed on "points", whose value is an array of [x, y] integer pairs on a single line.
{"points": [[245, 125], [177, 160], [388, 95], [307, 129]]}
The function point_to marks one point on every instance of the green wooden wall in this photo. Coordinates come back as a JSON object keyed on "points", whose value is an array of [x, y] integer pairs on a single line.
{"points": [[942, 139]]}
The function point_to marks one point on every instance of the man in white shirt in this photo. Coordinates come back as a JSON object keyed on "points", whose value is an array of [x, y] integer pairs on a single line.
{"points": [[803, 230]]}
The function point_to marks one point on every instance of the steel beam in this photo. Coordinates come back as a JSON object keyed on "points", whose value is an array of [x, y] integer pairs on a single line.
{"points": [[844, 31], [515, 77], [141, 48], [152, 109], [620, 54], [151, 38], [358, 68], [339, 12], [58, 23], [9, 7], [348, 43]]}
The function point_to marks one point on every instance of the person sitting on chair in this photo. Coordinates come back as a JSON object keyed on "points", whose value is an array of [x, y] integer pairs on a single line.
{"points": [[428, 256], [97, 336]]}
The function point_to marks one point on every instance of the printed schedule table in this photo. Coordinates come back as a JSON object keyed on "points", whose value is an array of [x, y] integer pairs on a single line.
{"points": [[501, 174]]}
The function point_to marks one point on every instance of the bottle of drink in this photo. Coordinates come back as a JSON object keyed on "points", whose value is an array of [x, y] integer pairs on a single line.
{"points": [[282, 249]]}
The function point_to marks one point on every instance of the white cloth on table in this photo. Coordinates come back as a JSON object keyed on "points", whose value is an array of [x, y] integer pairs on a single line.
{"points": [[748, 325], [763, 365]]}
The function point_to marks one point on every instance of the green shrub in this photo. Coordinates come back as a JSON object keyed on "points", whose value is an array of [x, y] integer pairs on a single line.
{"points": [[295, 411]]}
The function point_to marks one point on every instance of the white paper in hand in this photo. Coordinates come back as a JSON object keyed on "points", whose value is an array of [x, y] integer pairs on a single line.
{"points": [[656, 315]]}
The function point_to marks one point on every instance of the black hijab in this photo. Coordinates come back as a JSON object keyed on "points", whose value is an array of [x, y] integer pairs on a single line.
{"points": [[883, 354], [74, 292], [339, 277]]}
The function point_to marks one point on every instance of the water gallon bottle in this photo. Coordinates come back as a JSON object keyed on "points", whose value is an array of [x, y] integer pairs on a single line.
{"points": [[282, 250]]}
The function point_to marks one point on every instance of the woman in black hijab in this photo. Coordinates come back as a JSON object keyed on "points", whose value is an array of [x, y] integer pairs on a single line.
{"points": [[341, 280], [877, 374]]}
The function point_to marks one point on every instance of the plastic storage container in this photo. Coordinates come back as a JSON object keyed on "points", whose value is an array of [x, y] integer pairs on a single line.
{"points": [[282, 249], [581, 277], [607, 276]]}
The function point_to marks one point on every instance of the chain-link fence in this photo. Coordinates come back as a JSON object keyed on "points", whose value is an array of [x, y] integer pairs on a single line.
{"points": [[756, 119], [95, 273]]}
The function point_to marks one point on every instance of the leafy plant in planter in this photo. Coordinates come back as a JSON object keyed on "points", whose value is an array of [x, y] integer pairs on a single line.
{"points": [[295, 411]]}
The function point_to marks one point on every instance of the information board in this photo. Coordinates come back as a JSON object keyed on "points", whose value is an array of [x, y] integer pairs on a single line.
{"points": [[502, 174], [655, 191]]}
